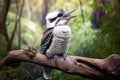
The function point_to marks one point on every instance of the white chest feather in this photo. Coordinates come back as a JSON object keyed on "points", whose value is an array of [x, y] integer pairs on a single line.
{"points": [[60, 42]]}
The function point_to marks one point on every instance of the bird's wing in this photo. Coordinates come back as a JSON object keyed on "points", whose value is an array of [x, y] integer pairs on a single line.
{"points": [[46, 40]]}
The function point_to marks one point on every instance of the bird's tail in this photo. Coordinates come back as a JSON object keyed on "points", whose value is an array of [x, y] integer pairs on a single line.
{"points": [[46, 73]]}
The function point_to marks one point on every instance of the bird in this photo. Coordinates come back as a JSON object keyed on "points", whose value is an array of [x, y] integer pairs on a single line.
{"points": [[56, 37]]}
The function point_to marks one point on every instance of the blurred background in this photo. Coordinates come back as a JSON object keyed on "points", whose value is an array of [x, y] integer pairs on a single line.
{"points": [[95, 32]]}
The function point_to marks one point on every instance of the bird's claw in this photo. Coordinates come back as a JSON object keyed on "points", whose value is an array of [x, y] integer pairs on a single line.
{"points": [[55, 59], [64, 57]]}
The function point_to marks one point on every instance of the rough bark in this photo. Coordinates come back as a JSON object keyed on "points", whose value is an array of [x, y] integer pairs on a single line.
{"points": [[97, 69]]}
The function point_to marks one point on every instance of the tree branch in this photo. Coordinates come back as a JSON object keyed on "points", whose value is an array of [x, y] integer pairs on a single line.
{"points": [[17, 21], [100, 69]]}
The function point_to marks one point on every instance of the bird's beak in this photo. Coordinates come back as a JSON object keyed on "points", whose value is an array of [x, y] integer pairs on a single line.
{"points": [[66, 15]]}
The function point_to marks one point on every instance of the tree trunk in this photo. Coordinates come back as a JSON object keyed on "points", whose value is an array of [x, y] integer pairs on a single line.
{"points": [[5, 5], [98, 13], [45, 8]]}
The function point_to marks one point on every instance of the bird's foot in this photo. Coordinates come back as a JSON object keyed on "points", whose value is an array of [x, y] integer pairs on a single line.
{"points": [[64, 57], [55, 57]]}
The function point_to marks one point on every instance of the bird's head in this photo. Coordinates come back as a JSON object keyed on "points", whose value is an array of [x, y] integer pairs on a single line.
{"points": [[58, 17]]}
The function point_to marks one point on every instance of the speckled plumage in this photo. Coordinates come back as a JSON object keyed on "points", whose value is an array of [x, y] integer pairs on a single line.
{"points": [[46, 40]]}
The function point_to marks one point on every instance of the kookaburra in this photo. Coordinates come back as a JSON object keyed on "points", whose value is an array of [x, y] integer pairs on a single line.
{"points": [[55, 39]]}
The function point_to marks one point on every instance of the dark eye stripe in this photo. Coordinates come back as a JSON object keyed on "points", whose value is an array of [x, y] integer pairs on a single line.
{"points": [[53, 19]]}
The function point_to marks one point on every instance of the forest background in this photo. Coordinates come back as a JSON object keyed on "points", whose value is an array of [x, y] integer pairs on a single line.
{"points": [[95, 32]]}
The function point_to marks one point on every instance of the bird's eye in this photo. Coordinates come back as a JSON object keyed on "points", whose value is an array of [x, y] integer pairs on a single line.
{"points": [[60, 14]]}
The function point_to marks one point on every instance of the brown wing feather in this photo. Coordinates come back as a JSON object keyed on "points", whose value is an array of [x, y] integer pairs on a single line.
{"points": [[46, 40]]}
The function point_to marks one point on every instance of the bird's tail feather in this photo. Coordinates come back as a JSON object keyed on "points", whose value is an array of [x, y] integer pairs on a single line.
{"points": [[46, 72]]}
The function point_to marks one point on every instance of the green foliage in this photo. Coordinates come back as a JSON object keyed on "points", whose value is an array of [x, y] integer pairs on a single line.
{"points": [[82, 38], [11, 74], [30, 32], [108, 36], [82, 35], [2, 47], [58, 75]]}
